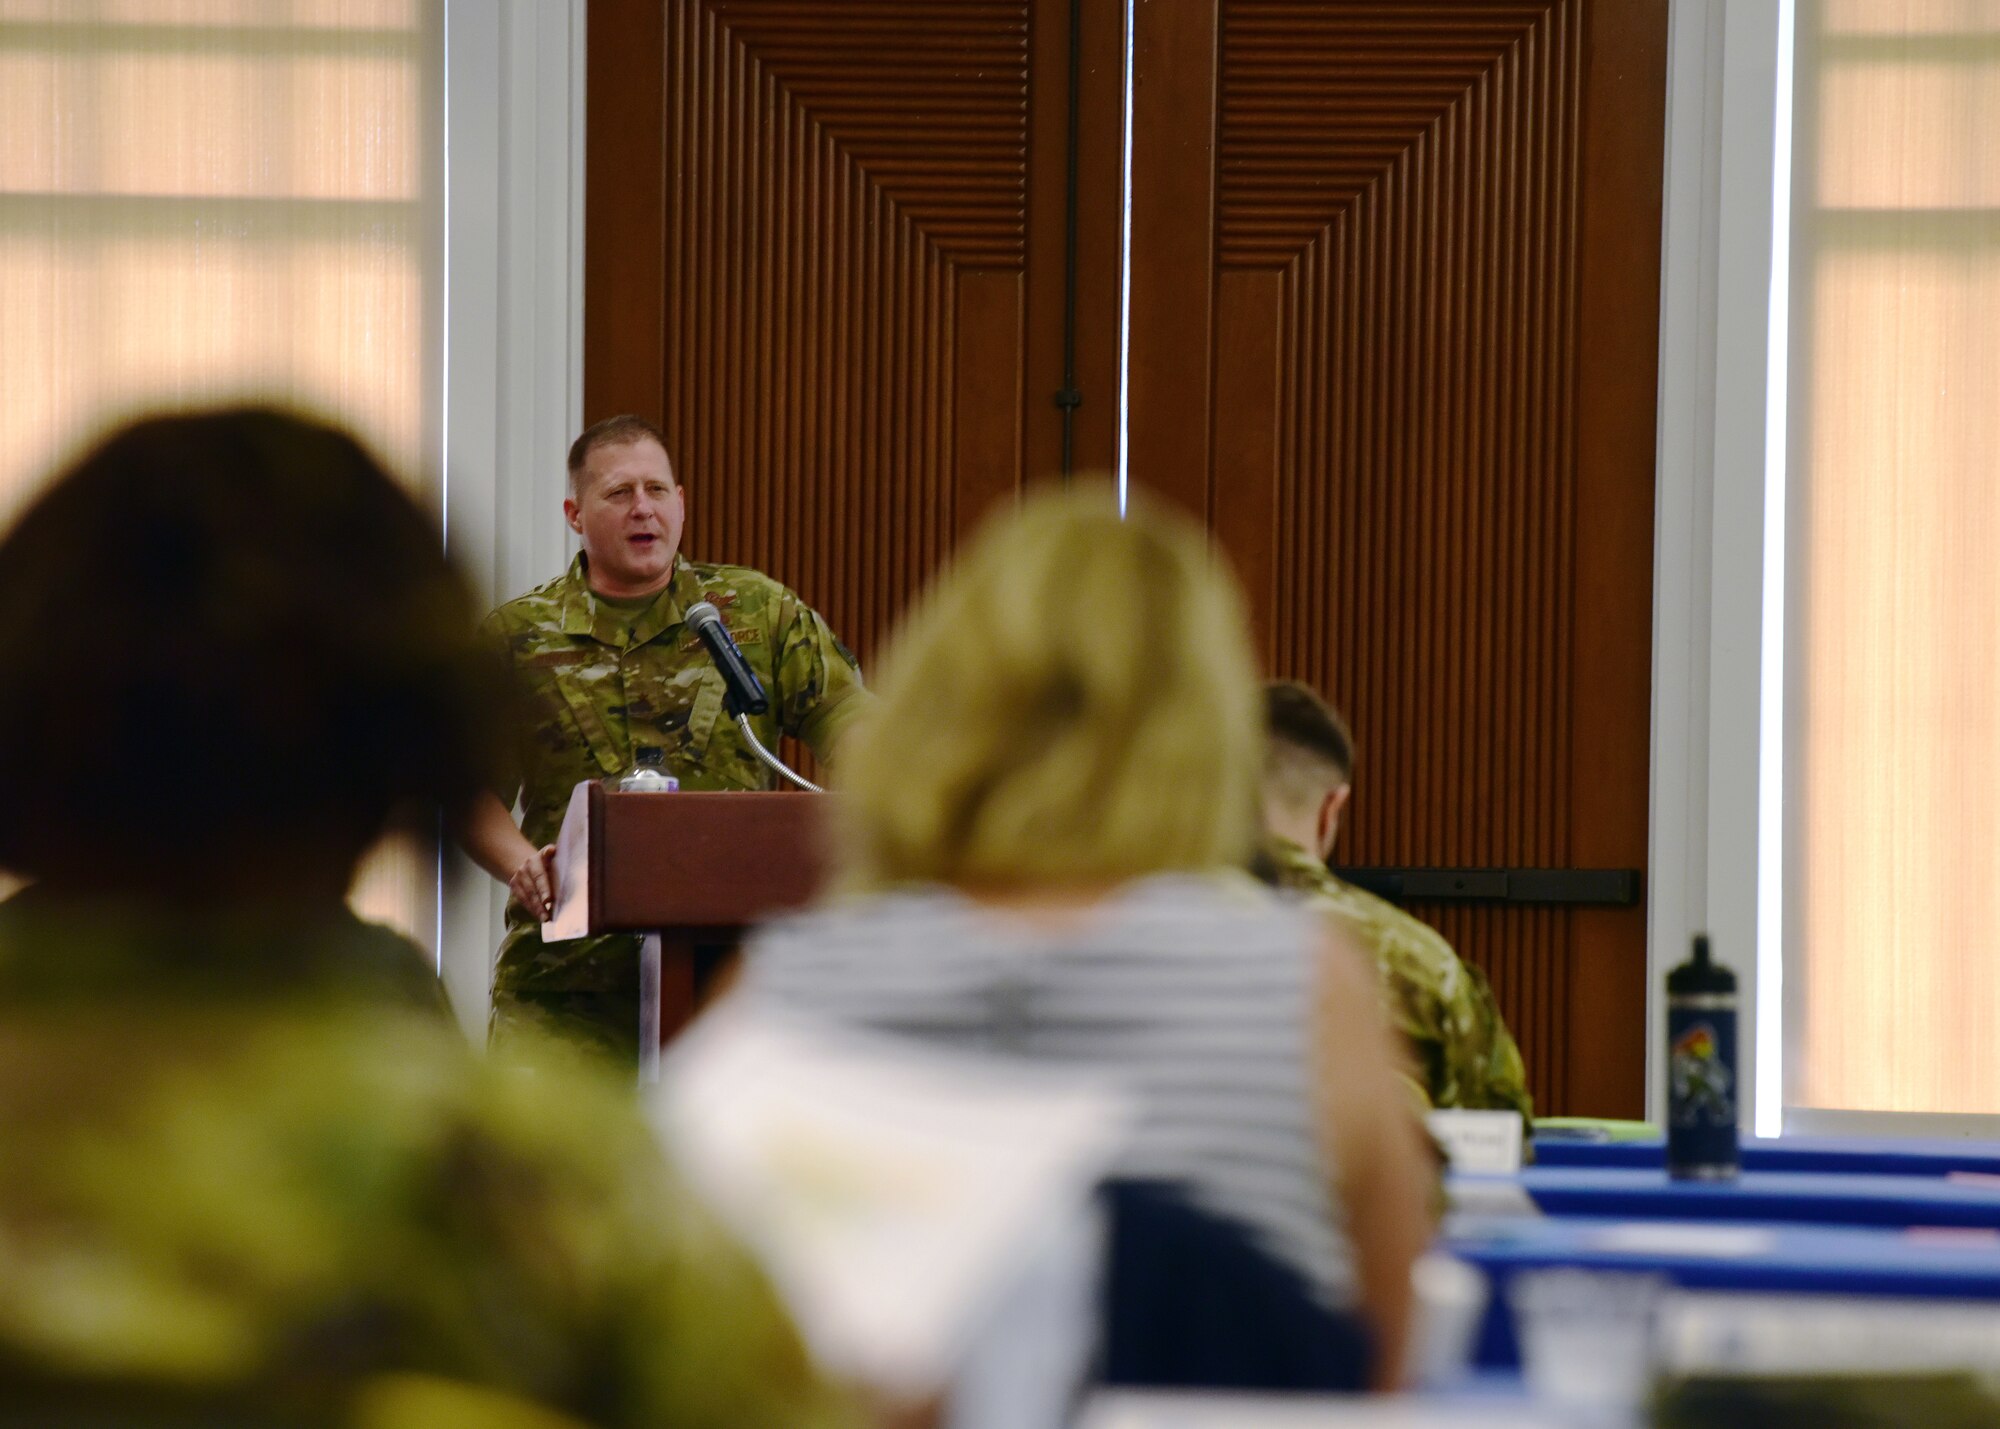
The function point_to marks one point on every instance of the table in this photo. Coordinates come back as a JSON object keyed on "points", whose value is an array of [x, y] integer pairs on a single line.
{"points": [[1867, 1155], [1809, 1196], [1771, 1257], [1508, 1407]]}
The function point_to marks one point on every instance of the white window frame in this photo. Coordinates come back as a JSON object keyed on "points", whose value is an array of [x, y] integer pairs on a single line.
{"points": [[1715, 858], [1720, 721], [514, 169]]}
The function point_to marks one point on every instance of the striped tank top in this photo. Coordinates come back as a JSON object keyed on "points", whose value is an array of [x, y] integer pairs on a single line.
{"points": [[1194, 993]]}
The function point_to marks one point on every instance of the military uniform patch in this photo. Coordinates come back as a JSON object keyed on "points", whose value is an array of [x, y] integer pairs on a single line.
{"points": [[742, 635]]}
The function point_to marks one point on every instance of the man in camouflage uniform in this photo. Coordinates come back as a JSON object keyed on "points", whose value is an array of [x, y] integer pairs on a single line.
{"points": [[606, 668], [1465, 1056]]}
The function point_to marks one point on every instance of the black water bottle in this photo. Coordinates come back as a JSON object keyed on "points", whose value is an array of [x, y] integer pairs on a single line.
{"points": [[1701, 1069]]}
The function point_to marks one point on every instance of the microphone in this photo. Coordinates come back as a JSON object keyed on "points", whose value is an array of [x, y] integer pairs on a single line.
{"points": [[746, 693]]}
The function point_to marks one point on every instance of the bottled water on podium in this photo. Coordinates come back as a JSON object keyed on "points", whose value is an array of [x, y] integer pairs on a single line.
{"points": [[647, 776]]}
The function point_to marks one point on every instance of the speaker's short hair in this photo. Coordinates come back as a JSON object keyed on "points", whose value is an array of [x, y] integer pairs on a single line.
{"points": [[617, 431]]}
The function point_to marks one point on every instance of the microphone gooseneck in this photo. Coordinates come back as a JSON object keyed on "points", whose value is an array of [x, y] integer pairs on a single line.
{"points": [[771, 760]]}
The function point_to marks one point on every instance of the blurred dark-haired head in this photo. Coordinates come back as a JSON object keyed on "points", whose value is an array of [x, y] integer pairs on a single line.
{"points": [[230, 646]]}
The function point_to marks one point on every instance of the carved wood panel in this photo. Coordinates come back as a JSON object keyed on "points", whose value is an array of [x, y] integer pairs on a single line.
{"points": [[825, 253], [1406, 371], [1394, 281]]}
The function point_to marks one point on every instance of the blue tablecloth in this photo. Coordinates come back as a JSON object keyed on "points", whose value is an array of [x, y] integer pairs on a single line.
{"points": [[1763, 1196], [1795, 1259], [1862, 1155]]}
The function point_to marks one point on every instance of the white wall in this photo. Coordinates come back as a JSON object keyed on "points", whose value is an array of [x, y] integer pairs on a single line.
{"points": [[514, 346]]}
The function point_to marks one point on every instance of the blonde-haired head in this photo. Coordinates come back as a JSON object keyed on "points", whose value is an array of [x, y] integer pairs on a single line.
{"points": [[1074, 704]]}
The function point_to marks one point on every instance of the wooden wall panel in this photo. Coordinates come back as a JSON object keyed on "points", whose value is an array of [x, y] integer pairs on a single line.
{"points": [[1394, 275], [624, 209], [1617, 382], [838, 177], [1410, 204], [826, 254], [1173, 249]]}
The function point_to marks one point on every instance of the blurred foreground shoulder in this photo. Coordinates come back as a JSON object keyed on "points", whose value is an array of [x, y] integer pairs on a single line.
{"points": [[692, 1332], [280, 1207]]}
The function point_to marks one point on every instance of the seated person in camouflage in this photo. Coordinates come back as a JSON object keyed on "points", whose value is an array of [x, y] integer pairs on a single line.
{"points": [[607, 667], [1464, 1054], [249, 1174]]}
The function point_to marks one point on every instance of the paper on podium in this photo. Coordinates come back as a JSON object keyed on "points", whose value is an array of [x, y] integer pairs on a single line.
{"points": [[571, 915], [891, 1190]]}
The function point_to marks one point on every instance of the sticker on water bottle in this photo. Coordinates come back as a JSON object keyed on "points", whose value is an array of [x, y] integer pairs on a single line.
{"points": [[1704, 1087]]}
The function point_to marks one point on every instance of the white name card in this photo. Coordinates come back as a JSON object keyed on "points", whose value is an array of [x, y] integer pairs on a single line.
{"points": [[1479, 1143]]}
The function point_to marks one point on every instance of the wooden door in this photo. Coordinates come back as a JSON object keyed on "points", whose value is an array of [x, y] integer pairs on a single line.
{"points": [[826, 249], [1395, 281]]}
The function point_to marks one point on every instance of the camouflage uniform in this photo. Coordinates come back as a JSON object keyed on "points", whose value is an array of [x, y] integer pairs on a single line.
{"points": [[1465, 1055], [598, 680], [236, 1195], [226, 955]]}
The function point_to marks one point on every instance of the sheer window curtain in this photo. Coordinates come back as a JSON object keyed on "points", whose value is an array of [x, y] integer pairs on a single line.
{"points": [[217, 199], [1894, 640]]}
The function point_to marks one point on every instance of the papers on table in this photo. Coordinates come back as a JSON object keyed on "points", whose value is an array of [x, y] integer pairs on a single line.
{"points": [[1249, 1411], [1480, 1196], [1690, 1238], [1733, 1333], [895, 1194]]}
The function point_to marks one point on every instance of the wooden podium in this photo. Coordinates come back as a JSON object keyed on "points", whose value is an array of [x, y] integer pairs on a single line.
{"points": [[688, 870]]}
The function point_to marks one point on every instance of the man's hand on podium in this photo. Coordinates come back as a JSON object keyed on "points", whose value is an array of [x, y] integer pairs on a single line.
{"points": [[485, 828], [533, 882]]}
